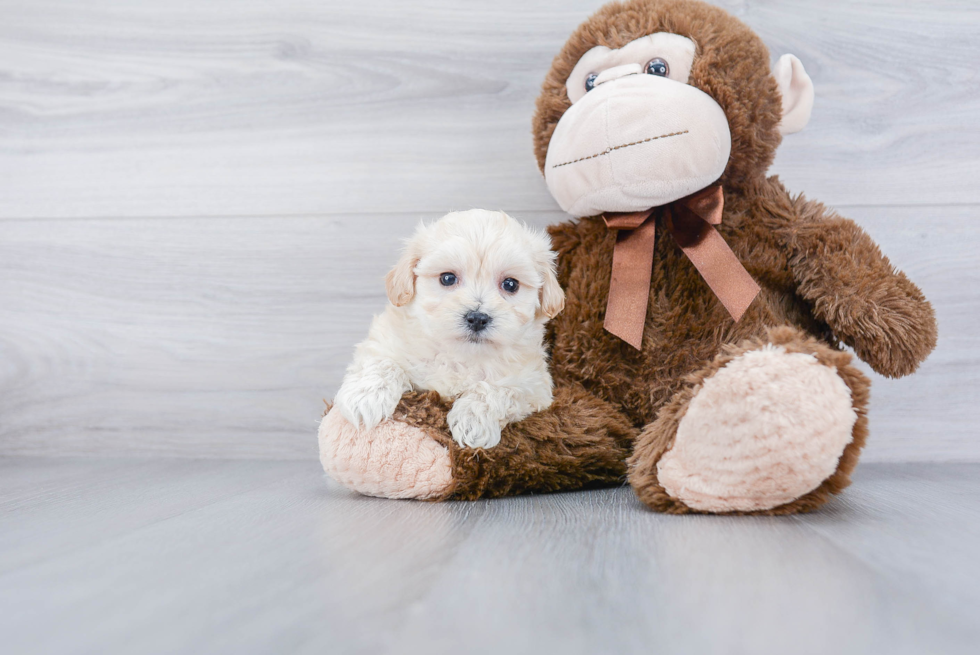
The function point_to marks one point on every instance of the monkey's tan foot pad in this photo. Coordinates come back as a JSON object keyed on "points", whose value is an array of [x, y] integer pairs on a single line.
{"points": [[394, 460], [767, 428]]}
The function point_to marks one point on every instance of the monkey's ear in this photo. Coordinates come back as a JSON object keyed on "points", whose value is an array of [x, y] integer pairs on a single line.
{"points": [[400, 281], [796, 88]]}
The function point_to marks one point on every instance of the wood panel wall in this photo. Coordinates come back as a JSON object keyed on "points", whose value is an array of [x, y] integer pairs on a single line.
{"points": [[198, 201]]}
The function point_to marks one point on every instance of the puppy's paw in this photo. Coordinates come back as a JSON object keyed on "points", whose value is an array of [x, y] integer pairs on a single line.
{"points": [[366, 401], [472, 424]]}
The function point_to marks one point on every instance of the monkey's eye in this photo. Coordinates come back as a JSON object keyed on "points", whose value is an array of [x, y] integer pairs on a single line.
{"points": [[657, 66], [447, 279], [590, 82], [510, 285]]}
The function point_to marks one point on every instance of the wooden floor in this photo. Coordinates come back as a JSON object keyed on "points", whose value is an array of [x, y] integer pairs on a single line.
{"points": [[208, 556]]}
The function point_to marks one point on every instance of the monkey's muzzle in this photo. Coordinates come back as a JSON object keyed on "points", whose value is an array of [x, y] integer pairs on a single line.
{"points": [[636, 142]]}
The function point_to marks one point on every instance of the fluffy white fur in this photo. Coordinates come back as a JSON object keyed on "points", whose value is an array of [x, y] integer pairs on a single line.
{"points": [[496, 376]]}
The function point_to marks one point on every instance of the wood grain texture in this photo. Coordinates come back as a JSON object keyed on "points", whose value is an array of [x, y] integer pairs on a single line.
{"points": [[158, 556], [221, 337], [231, 108], [199, 199]]}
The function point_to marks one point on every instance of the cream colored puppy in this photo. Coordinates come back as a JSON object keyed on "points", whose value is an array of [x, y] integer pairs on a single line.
{"points": [[469, 301]]}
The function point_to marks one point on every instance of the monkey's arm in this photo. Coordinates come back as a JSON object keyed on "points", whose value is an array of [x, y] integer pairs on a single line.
{"points": [[578, 442], [871, 306]]}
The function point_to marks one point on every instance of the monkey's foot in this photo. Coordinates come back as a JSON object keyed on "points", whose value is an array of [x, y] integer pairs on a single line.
{"points": [[393, 460], [762, 430]]}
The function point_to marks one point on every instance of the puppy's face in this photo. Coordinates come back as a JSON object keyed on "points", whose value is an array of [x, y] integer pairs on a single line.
{"points": [[477, 277]]}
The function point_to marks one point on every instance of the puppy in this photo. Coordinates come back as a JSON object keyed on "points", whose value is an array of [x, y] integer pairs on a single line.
{"points": [[470, 297]]}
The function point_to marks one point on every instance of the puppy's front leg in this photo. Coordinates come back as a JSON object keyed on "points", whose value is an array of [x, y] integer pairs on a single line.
{"points": [[480, 413], [472, 422], [370, 392]]}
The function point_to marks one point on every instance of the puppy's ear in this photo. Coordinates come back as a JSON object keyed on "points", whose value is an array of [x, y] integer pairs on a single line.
{"points": [[551, 295], [400, 281]]}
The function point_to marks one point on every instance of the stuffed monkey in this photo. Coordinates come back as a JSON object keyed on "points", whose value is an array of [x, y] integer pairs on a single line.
{"points": [[700, 353]]}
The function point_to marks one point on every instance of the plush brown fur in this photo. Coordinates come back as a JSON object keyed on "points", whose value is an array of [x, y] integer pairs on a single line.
{"points": [[824, 284], [579, 442]]}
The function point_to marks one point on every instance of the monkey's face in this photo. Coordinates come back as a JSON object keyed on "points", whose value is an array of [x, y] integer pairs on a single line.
{"points": [[652, 100], [637, 134]]}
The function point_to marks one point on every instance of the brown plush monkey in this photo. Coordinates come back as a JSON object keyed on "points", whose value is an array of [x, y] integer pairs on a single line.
{"points": [[648, 108]]}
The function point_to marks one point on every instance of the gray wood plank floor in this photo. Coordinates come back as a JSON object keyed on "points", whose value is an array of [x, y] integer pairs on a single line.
{"points": [[193, 556]]}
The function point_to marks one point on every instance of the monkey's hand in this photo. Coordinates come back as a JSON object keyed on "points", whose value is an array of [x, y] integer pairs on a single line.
{"points": [[854, 289]]}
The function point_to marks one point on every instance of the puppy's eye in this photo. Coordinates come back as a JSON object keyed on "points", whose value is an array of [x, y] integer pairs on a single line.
{"points": [[657, 66], [447, 279], [510, 285], [590, 82]]}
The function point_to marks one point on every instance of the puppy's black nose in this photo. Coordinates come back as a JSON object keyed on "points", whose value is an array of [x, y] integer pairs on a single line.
{"points": [[477, 321]]}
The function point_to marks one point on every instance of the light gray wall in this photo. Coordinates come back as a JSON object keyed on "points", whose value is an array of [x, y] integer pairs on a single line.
{"points": [[198, 201]]}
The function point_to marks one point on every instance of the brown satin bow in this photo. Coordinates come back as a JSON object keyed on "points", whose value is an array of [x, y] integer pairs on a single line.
{"points": [[691, 221]]}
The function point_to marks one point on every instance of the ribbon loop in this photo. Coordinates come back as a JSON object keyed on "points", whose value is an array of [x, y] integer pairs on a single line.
{"points": [[707, 204], [691, 222], [625, 221]]}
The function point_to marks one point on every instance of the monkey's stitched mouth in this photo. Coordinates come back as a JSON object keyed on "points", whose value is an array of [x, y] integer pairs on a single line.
{"points": [[625, 145]]}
